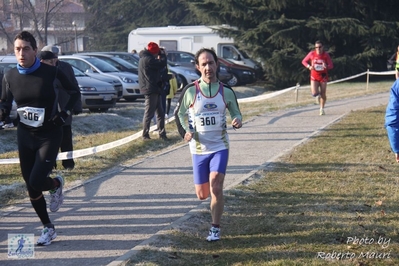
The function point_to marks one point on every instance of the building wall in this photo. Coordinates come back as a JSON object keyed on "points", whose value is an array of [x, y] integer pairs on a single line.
{"points": [[60, 31]]}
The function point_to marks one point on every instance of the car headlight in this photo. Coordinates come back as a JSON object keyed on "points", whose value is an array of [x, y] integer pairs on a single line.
{"points": [[88, 89], [127, 80]]}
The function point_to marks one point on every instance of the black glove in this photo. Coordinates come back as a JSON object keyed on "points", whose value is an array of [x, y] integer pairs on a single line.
{"points": [[60, 118]]}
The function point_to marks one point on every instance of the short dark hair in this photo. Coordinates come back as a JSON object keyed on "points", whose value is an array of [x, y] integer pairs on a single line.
{"points": [[28, 37], [203, 50], [319, 42]]}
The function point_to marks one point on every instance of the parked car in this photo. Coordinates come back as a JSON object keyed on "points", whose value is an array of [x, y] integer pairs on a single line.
{"points": [[186, 59], [7, 63], [241, 74], [117, 62], [96, 95], [115, 82], [96, 67], [131, 58], [224, 74], [181, 58], [184, 74]]}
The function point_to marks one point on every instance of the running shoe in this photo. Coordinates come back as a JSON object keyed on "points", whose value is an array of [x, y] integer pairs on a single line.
{"points": [[48, 234], [10, 125], [214, 234], [56, 196], [322, 111]]}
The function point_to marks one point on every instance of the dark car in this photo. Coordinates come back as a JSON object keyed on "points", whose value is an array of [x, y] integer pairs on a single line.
{"points": [[241, 74], [224, 74]]}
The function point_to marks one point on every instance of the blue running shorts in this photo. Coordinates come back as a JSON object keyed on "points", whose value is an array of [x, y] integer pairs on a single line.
{"points": [[203, 165]]}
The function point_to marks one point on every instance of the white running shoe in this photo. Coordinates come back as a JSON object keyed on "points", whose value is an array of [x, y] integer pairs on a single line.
{"points": [[10, 125], [56, 196], [322, 111], [214, 234], [48, 234]]}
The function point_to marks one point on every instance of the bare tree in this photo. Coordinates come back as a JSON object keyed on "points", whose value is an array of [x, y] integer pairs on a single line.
{"points": [[42, 13], [37, 15], [6, 28]]}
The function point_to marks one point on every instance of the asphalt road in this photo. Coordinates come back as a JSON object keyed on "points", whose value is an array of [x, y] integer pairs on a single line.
{"points": [[102, 221]]}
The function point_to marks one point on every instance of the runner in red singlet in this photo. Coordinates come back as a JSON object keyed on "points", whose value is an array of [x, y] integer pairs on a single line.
{"points": [[318, 62]]}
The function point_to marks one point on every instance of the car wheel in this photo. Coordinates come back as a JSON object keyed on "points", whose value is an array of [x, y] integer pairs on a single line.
{"points": [[233, 81], [183, 83]]}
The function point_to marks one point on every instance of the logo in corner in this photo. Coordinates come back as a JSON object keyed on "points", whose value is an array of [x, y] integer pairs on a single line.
{"points": [[20, 246]]}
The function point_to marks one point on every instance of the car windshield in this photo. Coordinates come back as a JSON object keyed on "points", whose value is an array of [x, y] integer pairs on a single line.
{"points": [[243, 53], [102, 65], [128, 58], [124, 63], [78, 72]]}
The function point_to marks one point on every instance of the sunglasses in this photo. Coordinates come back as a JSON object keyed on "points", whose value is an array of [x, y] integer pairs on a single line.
{"points": [[318, 47]]}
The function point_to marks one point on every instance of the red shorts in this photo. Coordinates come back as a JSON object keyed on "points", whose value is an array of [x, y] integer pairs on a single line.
{"points": [[319, 77]]}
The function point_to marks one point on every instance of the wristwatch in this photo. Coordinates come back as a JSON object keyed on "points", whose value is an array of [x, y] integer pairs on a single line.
{"points": [[68, 112]]}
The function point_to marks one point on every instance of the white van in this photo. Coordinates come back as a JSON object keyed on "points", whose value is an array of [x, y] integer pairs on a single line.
{"points": [[190, 39]]}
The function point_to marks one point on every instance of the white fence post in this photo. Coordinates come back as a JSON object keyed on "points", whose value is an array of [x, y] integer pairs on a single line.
{"points": [[368, 78], [297, 91]]}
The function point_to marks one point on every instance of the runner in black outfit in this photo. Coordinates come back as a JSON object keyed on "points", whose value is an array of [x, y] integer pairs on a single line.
{"points": [[39, 132]]}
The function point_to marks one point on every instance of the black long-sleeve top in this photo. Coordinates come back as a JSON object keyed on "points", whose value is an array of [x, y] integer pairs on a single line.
{"points": [[37, 90]]}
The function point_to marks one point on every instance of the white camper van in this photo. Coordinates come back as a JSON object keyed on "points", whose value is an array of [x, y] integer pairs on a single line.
{"points": [[189, 39]]}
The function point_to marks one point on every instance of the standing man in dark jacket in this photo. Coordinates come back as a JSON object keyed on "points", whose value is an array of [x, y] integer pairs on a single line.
{"points": [[150, 66], [63, 97]]}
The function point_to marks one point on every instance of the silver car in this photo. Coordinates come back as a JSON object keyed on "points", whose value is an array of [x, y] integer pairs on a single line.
{"points": [[6, 63], [96, 68], [96, 95], [184, 75]]}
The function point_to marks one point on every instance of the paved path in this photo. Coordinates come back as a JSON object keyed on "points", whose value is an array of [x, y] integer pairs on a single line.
{"points": [[103, 220]]}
